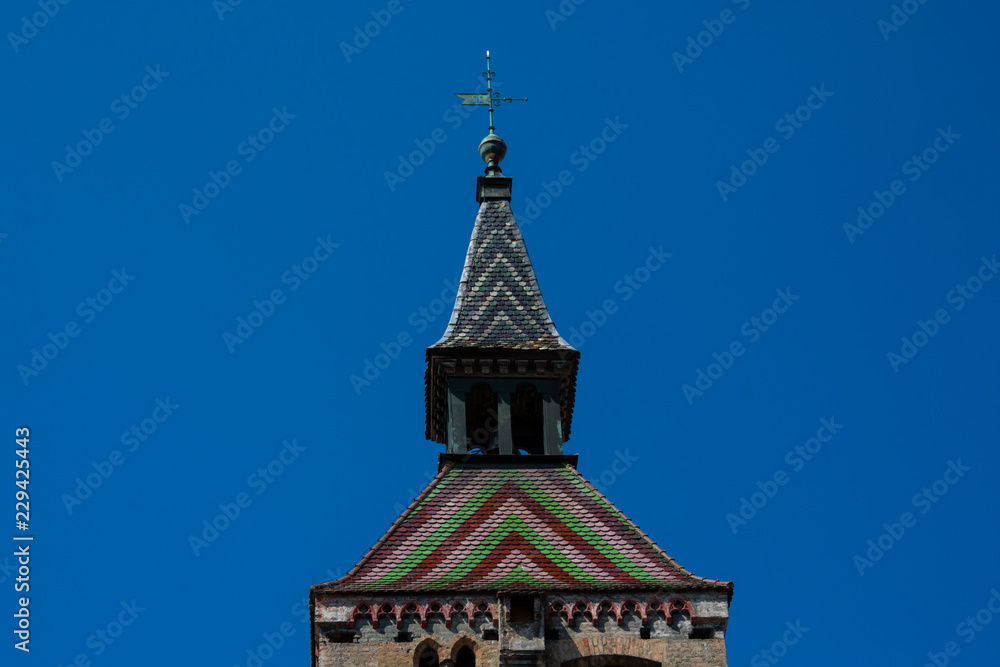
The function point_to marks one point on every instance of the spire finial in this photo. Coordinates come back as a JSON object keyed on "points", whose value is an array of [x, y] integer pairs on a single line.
{"points": [[492, 149]]}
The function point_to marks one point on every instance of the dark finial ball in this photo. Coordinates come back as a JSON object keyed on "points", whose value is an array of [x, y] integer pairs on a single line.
{"points": [[492, 149]]}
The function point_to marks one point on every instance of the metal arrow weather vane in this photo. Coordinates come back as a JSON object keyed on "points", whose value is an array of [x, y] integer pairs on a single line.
{"points": [[489, 98]]}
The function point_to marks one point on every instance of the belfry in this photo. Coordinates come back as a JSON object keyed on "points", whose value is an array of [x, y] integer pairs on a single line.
{"points": [[509, 556]]}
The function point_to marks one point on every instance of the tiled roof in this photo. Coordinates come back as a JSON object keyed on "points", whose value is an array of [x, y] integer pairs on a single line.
{"points": [[479, 527], [499, 304]]}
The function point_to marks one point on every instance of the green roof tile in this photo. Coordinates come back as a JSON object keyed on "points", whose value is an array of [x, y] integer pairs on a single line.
{"points": [[521, 526]]}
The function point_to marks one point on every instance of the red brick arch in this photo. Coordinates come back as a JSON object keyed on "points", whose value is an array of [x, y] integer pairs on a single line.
{"points": [[463, 642], [610, 661], [427, 643]]}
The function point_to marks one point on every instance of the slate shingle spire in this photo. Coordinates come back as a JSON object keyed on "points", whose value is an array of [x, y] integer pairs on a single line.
{"points": [[499, 303]]}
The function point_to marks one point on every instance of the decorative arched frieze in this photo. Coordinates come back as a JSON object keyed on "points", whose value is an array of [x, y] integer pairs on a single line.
{"points": [[411, 608], [560, 607], [361, 609], [679, 605], [610, 607], [485, 608]]}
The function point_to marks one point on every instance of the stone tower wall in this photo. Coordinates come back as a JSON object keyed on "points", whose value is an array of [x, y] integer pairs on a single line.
{"points": [[679, 629]]}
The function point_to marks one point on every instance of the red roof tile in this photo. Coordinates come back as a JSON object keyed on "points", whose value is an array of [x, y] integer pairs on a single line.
{"points": [[526, 526]]}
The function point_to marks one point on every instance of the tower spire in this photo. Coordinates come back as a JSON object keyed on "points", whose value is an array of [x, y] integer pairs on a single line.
{"points": [[501, 381]]}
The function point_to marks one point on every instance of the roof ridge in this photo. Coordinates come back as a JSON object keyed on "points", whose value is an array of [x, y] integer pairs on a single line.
{"points": [[393, 527], [656, 547]]}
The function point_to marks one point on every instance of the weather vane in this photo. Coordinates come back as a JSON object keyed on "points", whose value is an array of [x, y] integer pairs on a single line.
{"points": [[492, 149], [490, 98]]}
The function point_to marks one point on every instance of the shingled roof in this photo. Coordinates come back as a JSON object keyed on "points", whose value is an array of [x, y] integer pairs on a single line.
{"points": [[523, 526], [499, 304]]}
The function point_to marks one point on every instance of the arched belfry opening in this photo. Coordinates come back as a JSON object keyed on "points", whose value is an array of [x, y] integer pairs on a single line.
{"points": [[481, 424], [527, 424], [503, 416], [465, 657]]}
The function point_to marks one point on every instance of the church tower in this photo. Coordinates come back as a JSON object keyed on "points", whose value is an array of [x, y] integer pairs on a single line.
{"points": [[509, 556]]}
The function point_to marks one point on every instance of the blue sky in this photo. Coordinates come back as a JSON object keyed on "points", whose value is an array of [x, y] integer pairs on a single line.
{"points": [[172, 171]]}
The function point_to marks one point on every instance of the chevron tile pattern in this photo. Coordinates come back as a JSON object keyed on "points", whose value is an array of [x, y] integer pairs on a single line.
{"points": [[514, 527], [499, 304]]}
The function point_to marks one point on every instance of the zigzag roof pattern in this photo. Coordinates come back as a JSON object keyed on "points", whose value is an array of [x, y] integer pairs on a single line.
{"points": [[499, 304], [518, 526]]}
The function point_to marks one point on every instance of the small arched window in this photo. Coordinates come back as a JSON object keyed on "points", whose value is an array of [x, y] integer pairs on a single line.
{"points": [[428, 658], [466, 657]]}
